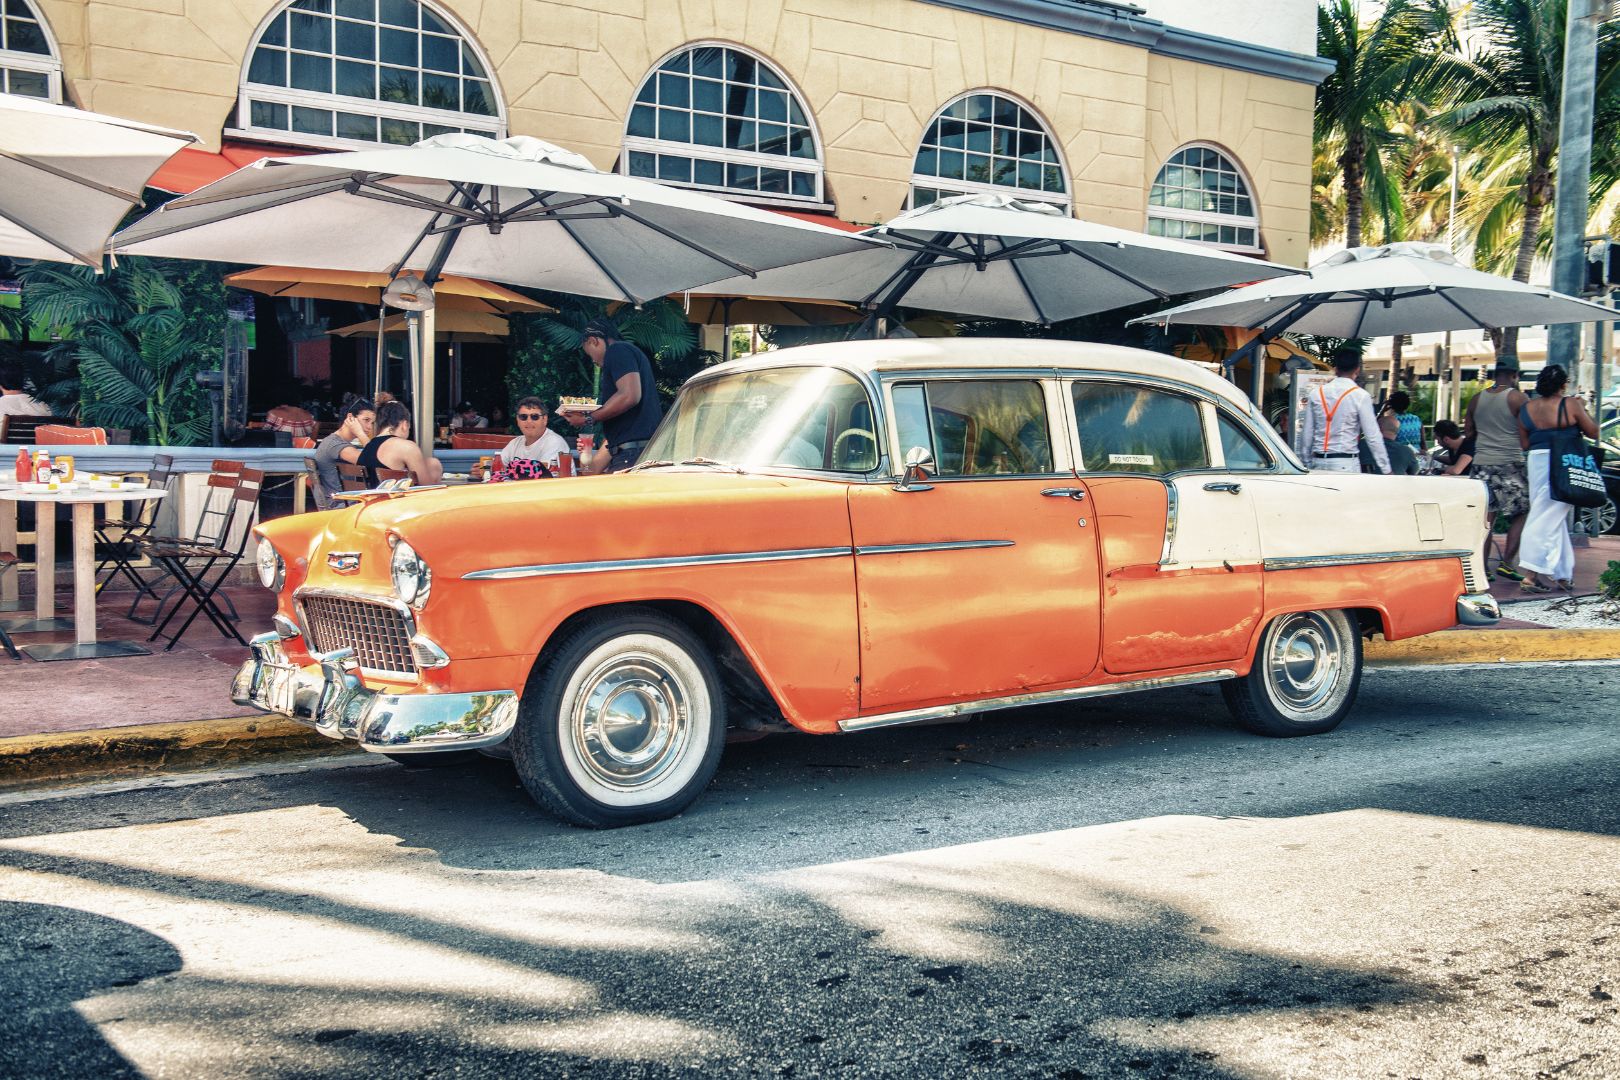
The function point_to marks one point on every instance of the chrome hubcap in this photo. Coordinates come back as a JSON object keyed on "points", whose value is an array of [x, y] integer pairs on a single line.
{"points": [[630, 721], [1304, 661]]}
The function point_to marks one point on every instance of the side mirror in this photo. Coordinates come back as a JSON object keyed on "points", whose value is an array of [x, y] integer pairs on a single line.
{"points": [[918, 462]]}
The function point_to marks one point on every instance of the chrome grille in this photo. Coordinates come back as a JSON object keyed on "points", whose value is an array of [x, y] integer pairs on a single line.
{"points": [[378, 632], [1471, 579]]}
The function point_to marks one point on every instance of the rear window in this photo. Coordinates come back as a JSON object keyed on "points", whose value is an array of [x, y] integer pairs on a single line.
{"points": [[1137, 429]]}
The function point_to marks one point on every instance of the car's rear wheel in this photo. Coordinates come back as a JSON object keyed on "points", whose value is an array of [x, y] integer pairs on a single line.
{"points": [[623, 723], [1307, 669]]}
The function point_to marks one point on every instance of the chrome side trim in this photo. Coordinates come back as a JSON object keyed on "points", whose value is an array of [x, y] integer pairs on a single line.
{"points": [[941, 545], [1172, 510], [942, 712], [1303, 562], [502, 573]]}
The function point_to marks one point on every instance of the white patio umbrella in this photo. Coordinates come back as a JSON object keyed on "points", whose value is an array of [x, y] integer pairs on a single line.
{"points": [[1409, 288], [516, 210], [1382, 291], [999, 257], [68, 177]]}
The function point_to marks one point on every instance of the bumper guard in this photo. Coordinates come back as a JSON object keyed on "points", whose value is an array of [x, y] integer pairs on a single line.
{"points": [[1478, 609], [335, 704]]}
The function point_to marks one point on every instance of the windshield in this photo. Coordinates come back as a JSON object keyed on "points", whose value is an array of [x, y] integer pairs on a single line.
{"points": [[1610, 432], [797, 418]]}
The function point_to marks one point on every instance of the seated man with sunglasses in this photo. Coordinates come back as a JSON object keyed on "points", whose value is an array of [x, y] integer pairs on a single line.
{"points": [[538, 442]]}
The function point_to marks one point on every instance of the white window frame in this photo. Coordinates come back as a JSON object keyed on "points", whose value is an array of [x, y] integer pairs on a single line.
{"points": [[1201, 217], [49, 66], [247, 92], [816, 166], [1065, 199]]}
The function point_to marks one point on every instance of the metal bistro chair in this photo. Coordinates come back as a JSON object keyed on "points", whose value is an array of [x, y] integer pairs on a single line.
{"points": [[212, 530], [121, 550], [191, 564], [8, 562]]}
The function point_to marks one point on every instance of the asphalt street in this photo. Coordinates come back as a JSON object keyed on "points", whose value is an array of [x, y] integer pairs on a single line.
{"points": [[1129, 888]]}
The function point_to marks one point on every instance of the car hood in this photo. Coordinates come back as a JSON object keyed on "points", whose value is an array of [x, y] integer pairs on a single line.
{"points": [[657, 513]]}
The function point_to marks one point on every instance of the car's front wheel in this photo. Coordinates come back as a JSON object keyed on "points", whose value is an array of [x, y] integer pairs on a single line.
{"points": [[1307, 669], [623, 723]]}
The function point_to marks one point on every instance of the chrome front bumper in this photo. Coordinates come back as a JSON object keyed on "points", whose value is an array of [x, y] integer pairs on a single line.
{"points": [[1478, 609], [336, 704]]}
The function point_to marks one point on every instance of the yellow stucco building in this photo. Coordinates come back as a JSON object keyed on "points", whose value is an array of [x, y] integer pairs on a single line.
{"points": [[1176, 117]]}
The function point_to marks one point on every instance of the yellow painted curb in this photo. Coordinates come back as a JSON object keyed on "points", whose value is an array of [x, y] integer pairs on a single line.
{"points": [[1497, 646], [33, 759]]}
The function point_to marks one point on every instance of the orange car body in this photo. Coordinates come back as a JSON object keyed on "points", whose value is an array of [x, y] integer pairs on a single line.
{"points": [[857, 602]]}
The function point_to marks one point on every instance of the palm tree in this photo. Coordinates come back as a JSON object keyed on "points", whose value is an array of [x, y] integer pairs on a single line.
{"points": [[1503, 103], [135, 348], [1377, 65]]}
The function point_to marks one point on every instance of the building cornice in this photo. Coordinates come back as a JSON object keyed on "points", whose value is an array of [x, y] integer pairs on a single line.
{"points": [[1128, 26]]}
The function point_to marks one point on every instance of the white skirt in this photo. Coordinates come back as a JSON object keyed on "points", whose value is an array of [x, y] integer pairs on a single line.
{"points": [[1544, 547]]}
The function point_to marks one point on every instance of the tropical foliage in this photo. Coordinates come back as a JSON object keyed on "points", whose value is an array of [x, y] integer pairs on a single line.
{"points": [[134, 346]]}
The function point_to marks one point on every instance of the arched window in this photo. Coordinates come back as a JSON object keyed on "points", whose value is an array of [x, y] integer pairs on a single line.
{"points": [[720, 118], [28, 63], [341, 72], [986, 141], [1201, 195]]}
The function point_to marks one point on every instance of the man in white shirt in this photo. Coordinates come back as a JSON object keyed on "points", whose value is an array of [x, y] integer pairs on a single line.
{"points": [[1337, 417], [14, 400], [538, 442]]}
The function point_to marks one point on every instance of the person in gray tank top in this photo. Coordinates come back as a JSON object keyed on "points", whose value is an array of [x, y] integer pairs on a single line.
{"points": [[1493, 424]]}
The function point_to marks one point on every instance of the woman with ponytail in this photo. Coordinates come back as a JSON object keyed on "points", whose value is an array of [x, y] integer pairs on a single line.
{"points": [[1545, 555]]}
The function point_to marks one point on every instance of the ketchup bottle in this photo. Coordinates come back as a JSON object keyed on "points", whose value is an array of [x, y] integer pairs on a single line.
{"points": [[25, 468]]}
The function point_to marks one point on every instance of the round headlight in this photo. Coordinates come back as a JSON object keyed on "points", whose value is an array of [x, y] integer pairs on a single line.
{"points": [[412, 579], [272, 570]]}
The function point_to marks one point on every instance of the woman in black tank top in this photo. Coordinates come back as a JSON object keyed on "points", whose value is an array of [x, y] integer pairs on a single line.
{"points": [[368, 459]]}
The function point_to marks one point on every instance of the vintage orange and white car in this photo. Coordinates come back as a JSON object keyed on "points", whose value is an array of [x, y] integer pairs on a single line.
{"points": [[844, 537]]}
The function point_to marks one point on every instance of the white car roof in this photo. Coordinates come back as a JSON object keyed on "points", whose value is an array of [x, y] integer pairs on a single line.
{"points": [[926, 354]]}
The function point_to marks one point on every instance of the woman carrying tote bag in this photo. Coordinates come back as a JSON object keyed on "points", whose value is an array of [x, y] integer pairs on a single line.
{"points": [[1549, 420]]}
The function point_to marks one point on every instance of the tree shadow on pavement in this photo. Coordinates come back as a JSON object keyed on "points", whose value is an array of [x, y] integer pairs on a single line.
{"points": [[943, 975], [52, 957]]}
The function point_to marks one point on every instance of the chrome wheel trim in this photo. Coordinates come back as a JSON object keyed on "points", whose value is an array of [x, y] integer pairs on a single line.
{"points": [[635, 720], [1307, 669]]}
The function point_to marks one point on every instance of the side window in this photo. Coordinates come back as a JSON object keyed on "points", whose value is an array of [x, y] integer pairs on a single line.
{"points": [[1136, 429], [976, 428], [1242, 452]]}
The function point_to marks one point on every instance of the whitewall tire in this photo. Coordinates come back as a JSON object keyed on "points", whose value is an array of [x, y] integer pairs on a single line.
{"points": [[1306, 672], [623, 723]]}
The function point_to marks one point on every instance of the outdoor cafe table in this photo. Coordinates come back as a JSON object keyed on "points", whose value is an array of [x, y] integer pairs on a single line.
{"points": [[84, 502]]}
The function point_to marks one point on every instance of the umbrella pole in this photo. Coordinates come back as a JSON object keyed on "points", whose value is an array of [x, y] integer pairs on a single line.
{"points": [[382, 351]]}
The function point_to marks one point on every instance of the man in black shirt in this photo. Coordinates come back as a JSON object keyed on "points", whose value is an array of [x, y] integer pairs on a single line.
{"points": [[627, 404]]}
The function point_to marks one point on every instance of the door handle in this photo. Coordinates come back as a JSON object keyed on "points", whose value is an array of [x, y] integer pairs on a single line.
{"points": [[1224, 485], [1076, 494]]}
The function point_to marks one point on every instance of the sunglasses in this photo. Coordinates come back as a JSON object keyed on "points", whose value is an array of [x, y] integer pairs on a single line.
{"points": [[531, 416]]}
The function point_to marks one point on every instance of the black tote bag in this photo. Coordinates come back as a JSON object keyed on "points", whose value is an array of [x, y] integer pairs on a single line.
{"points": [[1572, 471]]}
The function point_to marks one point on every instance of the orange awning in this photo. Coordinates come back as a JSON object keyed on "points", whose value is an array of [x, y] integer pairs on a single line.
{"points": [[832, 221], [191, 168]]}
